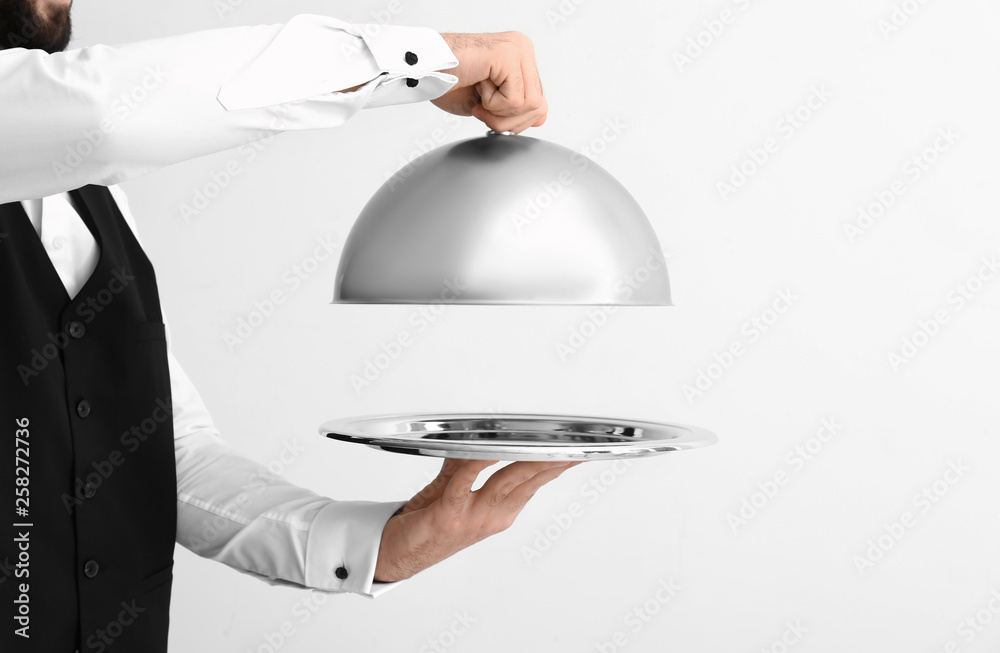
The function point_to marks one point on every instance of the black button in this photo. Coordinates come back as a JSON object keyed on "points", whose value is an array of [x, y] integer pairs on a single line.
{"points": [[89, 490], [412, 82], [410, 58], [83, 408], [76, 329], [341, 573], [90, 569]]}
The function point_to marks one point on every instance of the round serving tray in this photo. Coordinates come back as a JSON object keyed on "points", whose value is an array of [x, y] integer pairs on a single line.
{"points": [[484, 436]]}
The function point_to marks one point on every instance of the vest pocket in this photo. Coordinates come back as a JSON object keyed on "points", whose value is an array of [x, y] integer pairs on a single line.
{"points": [[151, 632], [154, 580]]}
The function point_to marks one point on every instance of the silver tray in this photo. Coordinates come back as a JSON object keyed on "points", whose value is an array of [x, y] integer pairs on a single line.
{"points": [[484, 436]]}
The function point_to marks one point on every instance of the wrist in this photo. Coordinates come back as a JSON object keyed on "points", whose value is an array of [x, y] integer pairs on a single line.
{"points": [[392, 544]]}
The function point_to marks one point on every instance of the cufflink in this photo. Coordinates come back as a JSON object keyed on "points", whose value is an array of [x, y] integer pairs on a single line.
{"points": [[410, 58], [412, 82]]}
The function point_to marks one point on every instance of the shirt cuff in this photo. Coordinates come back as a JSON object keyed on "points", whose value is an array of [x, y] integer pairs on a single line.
{"points": [[411, 58], [314, 56], [343, 546]]}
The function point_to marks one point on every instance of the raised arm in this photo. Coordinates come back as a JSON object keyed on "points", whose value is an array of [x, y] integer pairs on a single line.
{"points": [[102, 114], [105, 114]]}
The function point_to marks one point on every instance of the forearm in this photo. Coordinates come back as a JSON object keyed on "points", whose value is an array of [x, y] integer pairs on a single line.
{"points": [[231, 510], [234, 511], [107, 114]]}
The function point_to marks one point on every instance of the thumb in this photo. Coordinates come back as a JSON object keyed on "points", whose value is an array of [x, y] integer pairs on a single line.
{"points": [[487, 91], [481, 113]]}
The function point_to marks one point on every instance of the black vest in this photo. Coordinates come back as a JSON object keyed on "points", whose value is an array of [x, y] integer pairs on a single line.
{"points": [[86, 419]]}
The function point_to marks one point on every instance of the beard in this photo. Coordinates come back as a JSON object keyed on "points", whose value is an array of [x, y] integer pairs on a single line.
{"points": [[23, 24]]}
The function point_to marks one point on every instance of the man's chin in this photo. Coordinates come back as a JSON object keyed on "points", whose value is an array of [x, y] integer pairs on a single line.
{"points": [[62, 28], [24, 25]]}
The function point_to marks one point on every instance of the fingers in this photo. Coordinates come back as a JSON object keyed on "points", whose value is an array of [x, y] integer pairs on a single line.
{"points": [[516, 124], [520, 495], [490, 97], [503, 482], [449, 467], [511, 98], [496, 123], [504, 510], [500, 103], [535, 105], [459, 488], [515, 502], [460, 101], [503, 95], [433, 490], [496, 503]]}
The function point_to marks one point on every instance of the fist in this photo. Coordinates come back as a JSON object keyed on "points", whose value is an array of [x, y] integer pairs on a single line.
{"points": [[498, 81]]}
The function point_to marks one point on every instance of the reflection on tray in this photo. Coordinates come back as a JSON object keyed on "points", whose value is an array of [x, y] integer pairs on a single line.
{"points": [[556, 437]]}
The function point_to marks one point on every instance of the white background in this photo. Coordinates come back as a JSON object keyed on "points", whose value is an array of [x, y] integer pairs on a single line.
{"points": [[796, 561]]}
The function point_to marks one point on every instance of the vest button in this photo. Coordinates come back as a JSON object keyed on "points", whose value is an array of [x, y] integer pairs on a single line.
{"points": [[83, 408], [89, 490], [90, 569], [341, 573], [76, 329]]}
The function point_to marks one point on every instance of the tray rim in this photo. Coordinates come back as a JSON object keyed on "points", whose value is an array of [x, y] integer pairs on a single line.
{"points": [[692, 438]]}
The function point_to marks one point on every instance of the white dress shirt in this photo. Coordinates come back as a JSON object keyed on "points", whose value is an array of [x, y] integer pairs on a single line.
{"points": [[101, 115], [104, 114]]}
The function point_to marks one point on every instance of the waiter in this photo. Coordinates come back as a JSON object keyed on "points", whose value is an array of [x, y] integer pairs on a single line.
{"points": [[109, 454]]}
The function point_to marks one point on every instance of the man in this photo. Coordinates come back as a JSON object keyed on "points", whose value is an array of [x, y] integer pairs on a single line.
{"points": [[111, 454]]}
